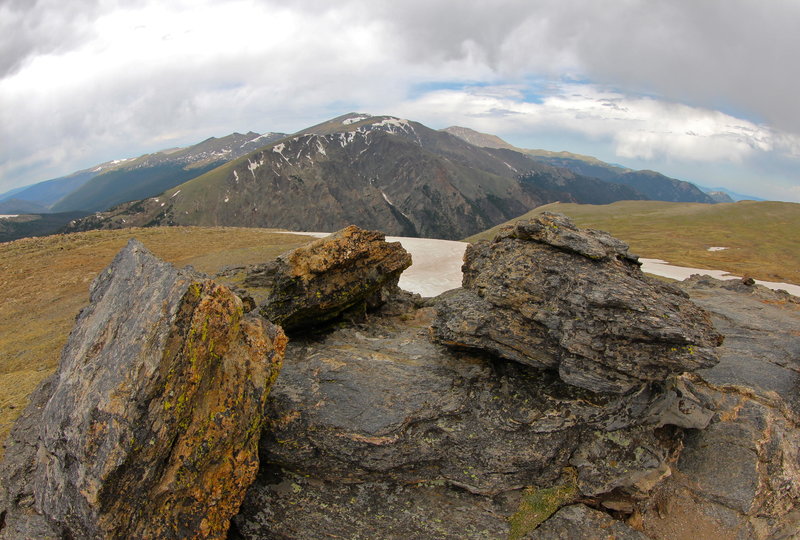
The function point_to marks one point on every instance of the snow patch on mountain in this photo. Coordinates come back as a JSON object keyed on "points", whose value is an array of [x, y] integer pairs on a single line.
{"points": [[394, 122], [353, 120], [253, 165], [346, 138], [395, 126], [390, 203], [264, 136]]}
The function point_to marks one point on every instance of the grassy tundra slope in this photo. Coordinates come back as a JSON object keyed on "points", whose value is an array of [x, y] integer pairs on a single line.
{"points": [[762, 238], [45, 281]]}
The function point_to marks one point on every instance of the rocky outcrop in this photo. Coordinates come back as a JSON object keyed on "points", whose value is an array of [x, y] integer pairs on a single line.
{"points": [[547, 294], [350, 270], [740, 477], [150, 426], [378, 432]]}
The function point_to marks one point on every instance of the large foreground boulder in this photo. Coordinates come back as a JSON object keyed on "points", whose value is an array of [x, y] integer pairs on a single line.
{"points": [[150, 426], [378, 432], [351, 269], [550, 295]]}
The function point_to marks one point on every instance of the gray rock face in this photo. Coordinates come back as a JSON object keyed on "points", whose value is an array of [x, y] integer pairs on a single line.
{"points": [[740, 477], [547, 294], [377, 432], [150, 426], [351, 269], [579, 522]]}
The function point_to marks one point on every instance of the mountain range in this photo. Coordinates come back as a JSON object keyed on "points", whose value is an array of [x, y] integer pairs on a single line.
{"points": [[651, 184], [121, 180], [378, 172]]}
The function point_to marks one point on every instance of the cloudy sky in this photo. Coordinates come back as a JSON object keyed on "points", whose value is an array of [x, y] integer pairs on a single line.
{"points": [[701, 90]]}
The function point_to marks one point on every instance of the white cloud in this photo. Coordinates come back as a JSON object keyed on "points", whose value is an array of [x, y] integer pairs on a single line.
{"points": [[639, 128], [85, 81]]}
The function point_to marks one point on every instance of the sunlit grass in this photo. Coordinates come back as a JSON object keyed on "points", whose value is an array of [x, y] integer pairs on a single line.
{"points": [[762, 238]]}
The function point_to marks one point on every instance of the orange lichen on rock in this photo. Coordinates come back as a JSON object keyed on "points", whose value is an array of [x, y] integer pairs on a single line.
{"points": [[150, 427]]}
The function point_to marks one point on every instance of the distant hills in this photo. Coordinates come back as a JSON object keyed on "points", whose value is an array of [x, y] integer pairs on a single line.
{"points": [[721, 194], [121, 180], [40, 197], [649, 184], [38, 224], [378, 172]]}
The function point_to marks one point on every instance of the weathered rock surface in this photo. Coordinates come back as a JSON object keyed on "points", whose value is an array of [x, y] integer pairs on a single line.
{"points": [[377, 432], [740, 477], [150, 426], [351, 269], [579, 522], [547, 294]]}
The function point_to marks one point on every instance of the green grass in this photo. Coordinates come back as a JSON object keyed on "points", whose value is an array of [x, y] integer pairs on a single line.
{"points": [[44, 282], [763, 238]]}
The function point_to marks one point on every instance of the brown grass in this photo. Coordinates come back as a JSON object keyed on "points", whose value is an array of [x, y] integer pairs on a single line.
{"points": [[44, 282]]}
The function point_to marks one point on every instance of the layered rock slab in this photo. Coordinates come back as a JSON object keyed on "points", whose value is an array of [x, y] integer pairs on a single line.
{"points": [[550, 295], [352, 269], [377, 432], [150, 426]]}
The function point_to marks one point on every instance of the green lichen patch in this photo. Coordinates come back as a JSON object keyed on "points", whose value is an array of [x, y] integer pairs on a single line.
{"points": [[538, 504]]}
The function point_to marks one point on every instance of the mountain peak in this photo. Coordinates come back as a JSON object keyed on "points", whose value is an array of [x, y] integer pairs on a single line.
{"points": [[359, 122]]}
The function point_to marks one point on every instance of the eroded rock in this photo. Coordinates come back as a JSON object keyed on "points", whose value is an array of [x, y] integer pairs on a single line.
{"points": [[378, 432], [739, 477], [579, 522], [547, 294], [150, 426], [351, 269]]}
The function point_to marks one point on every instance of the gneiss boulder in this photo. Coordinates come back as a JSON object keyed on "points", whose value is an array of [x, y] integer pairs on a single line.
{"points": [[150, 426], [352, 269], [550, 295]]}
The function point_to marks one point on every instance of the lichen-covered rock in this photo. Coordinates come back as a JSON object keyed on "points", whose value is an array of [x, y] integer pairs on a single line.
{"points": [[739, 477], [550, 295], [377, 432], [348, 270], [150, 426], [579, 522]]}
